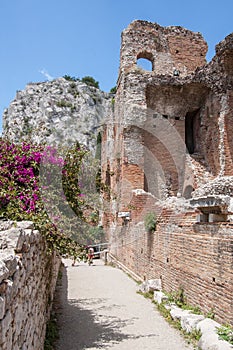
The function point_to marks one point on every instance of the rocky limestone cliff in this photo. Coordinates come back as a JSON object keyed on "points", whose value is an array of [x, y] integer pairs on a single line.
{"points": [[58, 111]]}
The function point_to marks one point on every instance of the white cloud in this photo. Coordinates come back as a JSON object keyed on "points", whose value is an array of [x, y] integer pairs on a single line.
{"points": [[46, 74]]}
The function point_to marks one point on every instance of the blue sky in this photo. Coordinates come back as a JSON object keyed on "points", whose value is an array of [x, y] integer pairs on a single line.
{"points": [[78, 38]]}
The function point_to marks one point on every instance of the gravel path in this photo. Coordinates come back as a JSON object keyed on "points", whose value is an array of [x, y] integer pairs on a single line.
{"points": [[100, 309]]}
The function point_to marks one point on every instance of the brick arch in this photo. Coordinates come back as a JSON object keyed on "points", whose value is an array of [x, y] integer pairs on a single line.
{"points": [[145, 54]]}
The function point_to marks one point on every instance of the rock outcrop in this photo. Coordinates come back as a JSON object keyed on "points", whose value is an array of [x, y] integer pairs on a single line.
{"points": [[59, 111]]}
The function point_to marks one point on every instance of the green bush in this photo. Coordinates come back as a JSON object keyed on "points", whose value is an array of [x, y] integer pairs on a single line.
{"points": [[69, 78], [90, 81], [150, 222], [113, 90], [64, 103]]}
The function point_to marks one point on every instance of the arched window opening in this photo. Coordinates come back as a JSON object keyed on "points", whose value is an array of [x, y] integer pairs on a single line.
{"points": [[145, 64], [145, 61]]}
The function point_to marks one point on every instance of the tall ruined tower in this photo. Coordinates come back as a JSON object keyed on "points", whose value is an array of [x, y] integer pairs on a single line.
{"points": [[152, 107], [166, 148], [168, 49]]}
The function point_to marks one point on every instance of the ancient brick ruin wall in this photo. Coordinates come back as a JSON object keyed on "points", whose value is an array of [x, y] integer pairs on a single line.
{"points": [[228, 138], [27, 282], [147, 100], [172, 138], [195, 257], [167, 48]]}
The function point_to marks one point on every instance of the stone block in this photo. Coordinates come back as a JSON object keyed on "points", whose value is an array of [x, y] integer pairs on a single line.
{"points": [[16, 347], [2, 307], [3, 241], [210, 339], [25, 225], [159, 297], [207, 325], [12, 237], [5, 325], [177, 313], [10, 260], [19, 317], [9, 291], [190, 321], [151, 286], [22, 245], [154, 285], [5, 225], [4, 272], [142, 287]]}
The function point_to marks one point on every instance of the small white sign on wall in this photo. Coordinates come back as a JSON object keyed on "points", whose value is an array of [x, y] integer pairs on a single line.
{"points": [[123, 214]]}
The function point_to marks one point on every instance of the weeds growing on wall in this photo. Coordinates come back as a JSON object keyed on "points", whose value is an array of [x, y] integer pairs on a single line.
{"points": [[178, 297], [150, 222]]}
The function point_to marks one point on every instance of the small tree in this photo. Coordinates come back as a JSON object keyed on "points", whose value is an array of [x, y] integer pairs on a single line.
{"points": [[90, 81], [113, 90], [69, 78]]}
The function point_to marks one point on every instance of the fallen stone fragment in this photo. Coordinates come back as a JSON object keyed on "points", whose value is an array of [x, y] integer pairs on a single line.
{"points": [[189, 322], [159, 297]]}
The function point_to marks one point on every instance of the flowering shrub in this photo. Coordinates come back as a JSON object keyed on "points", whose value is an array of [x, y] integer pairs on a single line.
{"points": [[23, 195], [19, 168]]}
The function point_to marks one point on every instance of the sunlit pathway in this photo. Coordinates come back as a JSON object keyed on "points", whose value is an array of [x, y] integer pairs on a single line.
{"points": [[100, 309]]}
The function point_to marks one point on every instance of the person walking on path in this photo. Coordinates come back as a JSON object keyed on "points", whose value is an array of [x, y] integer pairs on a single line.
{"points": [[100, 309], [90, 255]]}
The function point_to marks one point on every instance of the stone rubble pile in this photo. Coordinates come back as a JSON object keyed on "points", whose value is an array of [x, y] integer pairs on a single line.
{"points": [[189, 321], [220, 186]]}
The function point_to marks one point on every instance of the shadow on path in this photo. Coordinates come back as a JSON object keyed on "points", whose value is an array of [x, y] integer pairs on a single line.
{"points": [[83, 326]]}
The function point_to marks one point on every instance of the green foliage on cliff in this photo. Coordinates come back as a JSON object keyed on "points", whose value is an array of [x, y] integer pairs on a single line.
{"points": [[113, 90], [90, 81], [69, 78], [87, 80]]}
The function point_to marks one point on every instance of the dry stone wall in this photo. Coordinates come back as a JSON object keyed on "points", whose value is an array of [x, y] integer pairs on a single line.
{"points": [[28, 277]]}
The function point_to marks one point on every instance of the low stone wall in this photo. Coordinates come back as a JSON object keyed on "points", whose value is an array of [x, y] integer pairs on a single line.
{"points": [[28, 277]]}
